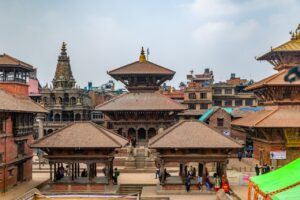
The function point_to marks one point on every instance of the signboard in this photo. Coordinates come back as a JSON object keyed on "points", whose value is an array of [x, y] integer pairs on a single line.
{"points": [[278, 155]]}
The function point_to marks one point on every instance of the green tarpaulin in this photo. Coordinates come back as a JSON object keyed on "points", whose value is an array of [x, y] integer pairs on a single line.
{"points": [[290, 194], [280, 178]]}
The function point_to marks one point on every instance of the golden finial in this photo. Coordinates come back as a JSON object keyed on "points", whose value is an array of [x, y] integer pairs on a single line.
{"points": [[142, 55]]}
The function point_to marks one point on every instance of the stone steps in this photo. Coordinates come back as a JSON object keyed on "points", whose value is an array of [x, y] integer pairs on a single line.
{"points": [[132, 189]]}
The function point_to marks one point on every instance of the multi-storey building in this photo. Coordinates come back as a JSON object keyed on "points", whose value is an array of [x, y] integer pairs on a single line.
{"points": [[207, 78], [17, 113], [230, 95]]}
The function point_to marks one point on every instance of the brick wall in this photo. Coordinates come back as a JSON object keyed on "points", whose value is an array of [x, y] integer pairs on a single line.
{"points": [[15, 88], [220, 113]]}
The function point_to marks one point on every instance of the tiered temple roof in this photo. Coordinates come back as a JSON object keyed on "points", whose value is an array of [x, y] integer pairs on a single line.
{"points": [[144, 101], [18, 103], [278, 116], [9, 61], [191, 134], [81, 135]]}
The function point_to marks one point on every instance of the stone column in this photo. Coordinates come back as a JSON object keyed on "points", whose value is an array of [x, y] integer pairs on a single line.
{"points": [[40, 118], [55, 169], [51, 175]]}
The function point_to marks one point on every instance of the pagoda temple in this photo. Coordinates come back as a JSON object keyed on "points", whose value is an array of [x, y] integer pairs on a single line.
{"points": [[275, 131], [142, 111]]}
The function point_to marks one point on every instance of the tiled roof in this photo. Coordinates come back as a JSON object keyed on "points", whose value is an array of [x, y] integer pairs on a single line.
{"points": [[138, 67], [81, 135], [290, 46], [192, 112], [143, 101], [274, 80], [277, 117], [191, 134], [11, 103], [8, 61]]}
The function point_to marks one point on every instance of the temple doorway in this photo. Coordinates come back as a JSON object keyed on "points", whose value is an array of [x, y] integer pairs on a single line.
{"points": [[141, 134]]}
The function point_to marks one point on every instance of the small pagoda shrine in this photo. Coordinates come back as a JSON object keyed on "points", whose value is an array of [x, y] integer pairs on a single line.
{"points": [[76, 153], [275, 131], [142, 112], [191, 141]]}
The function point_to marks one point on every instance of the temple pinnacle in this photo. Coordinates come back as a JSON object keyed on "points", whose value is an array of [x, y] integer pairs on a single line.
{"points": [[142, 55], [63, 47]]}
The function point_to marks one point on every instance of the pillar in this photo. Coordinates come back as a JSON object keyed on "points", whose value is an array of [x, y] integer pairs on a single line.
{"points": [[75, 170], [51, 175], [180, 169], [55, 169], [200, 169], [162, 171], [78, 169]]}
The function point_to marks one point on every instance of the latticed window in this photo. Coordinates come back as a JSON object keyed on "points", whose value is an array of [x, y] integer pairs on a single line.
{"points": [[21, 148], [217, 103], [249, 102], [192, 96], [203, 95], [1, 125], [228, 91], [203, 106], [228, 103], [192, 106], [217, 91], [238, 102], [220, 122]]}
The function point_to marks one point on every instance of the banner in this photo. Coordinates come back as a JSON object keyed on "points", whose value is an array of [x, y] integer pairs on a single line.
{"points": [[278, 155]]}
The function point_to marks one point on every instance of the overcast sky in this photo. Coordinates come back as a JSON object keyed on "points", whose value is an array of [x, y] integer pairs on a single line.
{"points": [[224, 35]]}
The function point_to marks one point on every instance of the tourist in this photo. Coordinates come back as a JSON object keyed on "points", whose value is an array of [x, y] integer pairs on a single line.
{"points": [[257, 169], [104, 171], [240, 155], [185, 170], [264, 168], [84, 173], [207, 183], [166, 173], [225, 184], [133, 142], [217, 183], [200, 182], [115, 176], [268, 169], [187, 183], [157, 171], [194, 172]]}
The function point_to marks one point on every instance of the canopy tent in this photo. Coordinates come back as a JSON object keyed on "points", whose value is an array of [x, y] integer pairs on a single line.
{"points": [[282, 179], [291, 194]]}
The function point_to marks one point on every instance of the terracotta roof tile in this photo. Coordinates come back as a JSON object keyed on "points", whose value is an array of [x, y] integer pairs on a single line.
{"points": [[145, 101], [279, 117], [8, 61], [82, 135], [191, 134], [15, 103], [274, 80], [145, 67]]}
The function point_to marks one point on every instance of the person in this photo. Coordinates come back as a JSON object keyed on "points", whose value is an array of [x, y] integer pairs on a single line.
{"points": [[200, 182], [225, 184], [217, 183], [134, 142], [166, 173], [157, 171], [240, 155], [115, 176], [194, 172], [257, 169], [84, 173], [207, 183], [187, 183], [57, 175], [263, 169], [104, 171], [268, 169]]}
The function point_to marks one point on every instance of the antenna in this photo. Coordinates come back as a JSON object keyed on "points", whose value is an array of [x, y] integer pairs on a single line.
{"points": [[148, 53]]}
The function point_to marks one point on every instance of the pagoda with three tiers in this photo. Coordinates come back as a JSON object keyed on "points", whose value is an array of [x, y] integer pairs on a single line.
{"points": [[141, 112]]}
